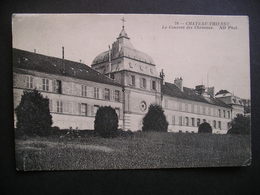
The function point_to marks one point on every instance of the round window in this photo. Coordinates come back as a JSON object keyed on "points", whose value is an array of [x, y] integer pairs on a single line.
{"points": [[143, 106]]}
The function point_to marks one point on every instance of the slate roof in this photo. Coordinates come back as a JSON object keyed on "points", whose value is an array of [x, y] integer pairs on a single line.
{"points": [[52, 65], [172, 90]]}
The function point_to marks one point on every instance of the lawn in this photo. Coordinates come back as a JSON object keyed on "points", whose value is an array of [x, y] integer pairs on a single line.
{"points": [[139, 150]]}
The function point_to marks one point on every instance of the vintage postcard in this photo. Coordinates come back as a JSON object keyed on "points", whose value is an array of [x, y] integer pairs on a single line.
{"points": [[130, 91]]}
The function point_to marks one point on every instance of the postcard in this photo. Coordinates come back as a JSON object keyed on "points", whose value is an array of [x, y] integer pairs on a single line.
{"points": [[130, 91]]}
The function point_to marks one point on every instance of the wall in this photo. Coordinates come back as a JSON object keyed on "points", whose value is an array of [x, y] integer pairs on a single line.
{"points": [[176, 108], [71, 98]]}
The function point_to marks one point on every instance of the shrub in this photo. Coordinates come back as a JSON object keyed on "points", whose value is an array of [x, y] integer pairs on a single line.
{"points": [[33, 114], [155, 119], [205, 128], [106, 122], [240, 125]]}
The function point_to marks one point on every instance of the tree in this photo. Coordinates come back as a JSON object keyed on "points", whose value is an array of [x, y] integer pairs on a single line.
{"points": [[106, 121], [155, 119], [205, 128], [33, 114], [240, 125]]}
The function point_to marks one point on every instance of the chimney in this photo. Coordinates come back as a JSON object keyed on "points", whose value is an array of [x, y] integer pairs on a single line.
{"points": [[211, 91], [162, 75], [62, 52], [109, 62], [200, 89], [63, 65], [178, 83]]}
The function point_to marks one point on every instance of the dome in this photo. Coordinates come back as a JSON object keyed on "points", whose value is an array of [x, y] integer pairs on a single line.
{"points": [[103, 57], [124, 52], [122, 47]]}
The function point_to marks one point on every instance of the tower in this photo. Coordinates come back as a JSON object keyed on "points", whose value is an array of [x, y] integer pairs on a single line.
{"points": [[136, 72]]}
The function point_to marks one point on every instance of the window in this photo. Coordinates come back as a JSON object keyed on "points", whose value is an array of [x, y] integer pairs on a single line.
{"points": [[229, 125], [180, 120], [198, 109], [143, 83], [117, 112], [132, 81], [195, 108], [67, 107], [173, 120], [57, 86], [50, 105], [189, 107], [96, 107], [166, 103], [84, 109], [107, 94], [219, 113], [204, 120], [228, 113], [193, 122], [96, 92], [214, 124], [153, 85], [29, 82], [186, 121], [186, 107], [180, 106], [84, 90], [219, 124], [45, 84], [59, 106], [112, 76], [117, 95], [224, 113], [204, 110], [198, 122], [209, 111]]}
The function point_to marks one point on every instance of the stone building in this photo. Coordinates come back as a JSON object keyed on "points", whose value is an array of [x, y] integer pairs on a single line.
{"points": [[121, 77], [75, 91], [236, 103]]}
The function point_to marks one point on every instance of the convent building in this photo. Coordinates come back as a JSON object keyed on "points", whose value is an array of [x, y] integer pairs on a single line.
{"points": [[121, 77]]}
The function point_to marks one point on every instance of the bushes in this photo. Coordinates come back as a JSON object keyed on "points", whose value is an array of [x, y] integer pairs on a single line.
{"points": [[33, 114], [106, 122], [205, 128], [155, 119], [240, 125]]}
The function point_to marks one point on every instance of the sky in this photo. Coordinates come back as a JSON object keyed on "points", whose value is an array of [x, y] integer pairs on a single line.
{"points": [[209, 50]]}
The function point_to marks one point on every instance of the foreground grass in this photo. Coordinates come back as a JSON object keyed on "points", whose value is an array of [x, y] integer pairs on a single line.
{"points": [[140, 150]]}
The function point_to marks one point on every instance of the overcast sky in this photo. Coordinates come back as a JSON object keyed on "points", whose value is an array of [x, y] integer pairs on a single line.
{"points": [[193, 54]]}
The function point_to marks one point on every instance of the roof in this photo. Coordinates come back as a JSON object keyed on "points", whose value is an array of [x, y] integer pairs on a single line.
{"points": [[222, 92], [172, 90], [123, 33], [52, 65], [126, 50]]}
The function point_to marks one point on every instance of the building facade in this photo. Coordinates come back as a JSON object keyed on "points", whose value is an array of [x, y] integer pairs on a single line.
{"points": [[121, 77]]}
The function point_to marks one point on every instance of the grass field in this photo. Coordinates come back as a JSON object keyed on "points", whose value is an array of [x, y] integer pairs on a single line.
{"points": [[140, 150]]}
